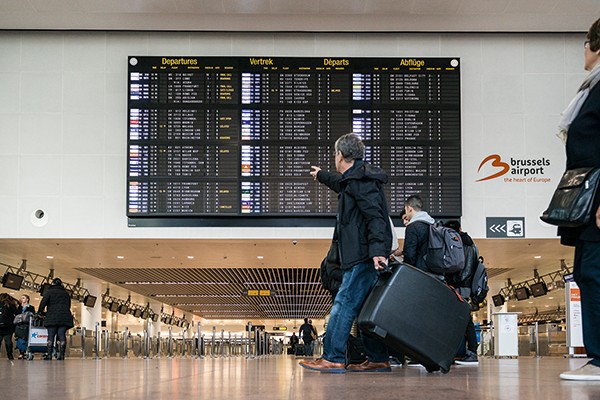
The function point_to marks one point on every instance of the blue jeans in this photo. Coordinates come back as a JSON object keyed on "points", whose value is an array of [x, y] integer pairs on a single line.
{"points": [[357, 282], [586, 271], [59, 332]]}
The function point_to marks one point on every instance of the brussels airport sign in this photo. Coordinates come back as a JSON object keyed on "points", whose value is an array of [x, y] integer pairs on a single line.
{"points": [[513, 170]]}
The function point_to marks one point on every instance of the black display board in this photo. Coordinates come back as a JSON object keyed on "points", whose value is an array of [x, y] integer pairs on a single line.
{"points": [[230, 140]]}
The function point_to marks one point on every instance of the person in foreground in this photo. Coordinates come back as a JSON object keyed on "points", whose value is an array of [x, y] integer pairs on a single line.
{"points": [[365, 240], [580, 129]]}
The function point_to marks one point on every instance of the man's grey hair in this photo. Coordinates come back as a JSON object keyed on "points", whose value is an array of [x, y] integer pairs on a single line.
{"points": [[415, 202], [351, 147]]}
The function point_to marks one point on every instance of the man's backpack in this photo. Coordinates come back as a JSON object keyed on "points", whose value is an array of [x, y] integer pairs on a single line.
{"points": [[479, 286], [330, 271], [445, 254]]}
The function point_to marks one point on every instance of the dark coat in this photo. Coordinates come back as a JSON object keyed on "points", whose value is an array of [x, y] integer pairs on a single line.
{"points": [[583, 150], [363, 225], [29, 308], [58, 302], [306, 331], [416, 240], [10, 310]]}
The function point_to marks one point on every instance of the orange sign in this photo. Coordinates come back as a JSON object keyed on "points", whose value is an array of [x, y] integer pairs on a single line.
{"points": [[575, 294]]}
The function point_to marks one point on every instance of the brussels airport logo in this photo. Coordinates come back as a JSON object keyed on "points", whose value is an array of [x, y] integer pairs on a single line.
{"points": [[513, 169]]}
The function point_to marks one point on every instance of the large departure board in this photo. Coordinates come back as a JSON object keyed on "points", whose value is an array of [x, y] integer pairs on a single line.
{"points": [[235, 137]]}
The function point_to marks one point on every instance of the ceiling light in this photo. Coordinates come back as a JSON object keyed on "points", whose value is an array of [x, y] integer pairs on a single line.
{"points": [[49, 257], [120, 257], [260, 257], [191, 257], [537, 257]]}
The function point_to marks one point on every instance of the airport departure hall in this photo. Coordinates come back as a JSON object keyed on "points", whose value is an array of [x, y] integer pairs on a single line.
{"points": [[156, 157]]}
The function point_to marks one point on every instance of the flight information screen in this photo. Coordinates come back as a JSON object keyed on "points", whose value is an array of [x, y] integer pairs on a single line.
{"points": [[222, 137]]}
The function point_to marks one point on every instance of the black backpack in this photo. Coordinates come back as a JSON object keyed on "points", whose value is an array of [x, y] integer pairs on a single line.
{"points": [[464, 278], [330, 270], [473, 277], [479, 286]]}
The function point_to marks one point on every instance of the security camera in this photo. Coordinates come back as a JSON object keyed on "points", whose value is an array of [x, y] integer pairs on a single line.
{"points": [[294, 242]]}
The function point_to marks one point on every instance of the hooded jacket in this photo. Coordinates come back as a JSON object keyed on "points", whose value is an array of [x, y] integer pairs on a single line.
{"points": [[363, 225], [416, 239]]}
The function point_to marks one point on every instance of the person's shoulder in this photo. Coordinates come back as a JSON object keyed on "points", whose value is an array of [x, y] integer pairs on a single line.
{"points": [[466, 239]]}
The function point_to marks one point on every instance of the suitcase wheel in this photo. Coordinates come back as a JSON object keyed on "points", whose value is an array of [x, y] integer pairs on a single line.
{"points": [[29, 356], [445, 370]]}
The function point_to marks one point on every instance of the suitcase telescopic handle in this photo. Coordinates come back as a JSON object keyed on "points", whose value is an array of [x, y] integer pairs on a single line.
{"points": [[387, 269]]}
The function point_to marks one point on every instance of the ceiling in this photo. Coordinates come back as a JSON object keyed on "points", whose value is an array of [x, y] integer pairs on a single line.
{"points": [[209, 278], [301, 16]]}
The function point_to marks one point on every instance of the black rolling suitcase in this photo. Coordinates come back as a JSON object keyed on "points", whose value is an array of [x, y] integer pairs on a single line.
{"points": [[300, 350], [415, 313]]}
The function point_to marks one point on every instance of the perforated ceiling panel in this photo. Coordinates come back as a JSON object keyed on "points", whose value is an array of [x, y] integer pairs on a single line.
{"points": [[228, 293]]}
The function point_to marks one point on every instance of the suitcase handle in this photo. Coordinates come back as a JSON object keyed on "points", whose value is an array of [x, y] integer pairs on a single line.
{"points": [[387, 269]]}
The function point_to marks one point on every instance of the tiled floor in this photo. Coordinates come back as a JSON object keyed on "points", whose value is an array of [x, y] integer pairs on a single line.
{"points": [[280, 377]]}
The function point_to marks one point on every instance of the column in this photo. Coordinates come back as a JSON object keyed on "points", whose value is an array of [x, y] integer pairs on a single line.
{"points": [[92, 315], [155, 327]]}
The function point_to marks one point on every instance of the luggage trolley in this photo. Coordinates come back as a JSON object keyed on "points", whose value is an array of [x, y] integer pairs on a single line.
{"points": [[37, 339]]}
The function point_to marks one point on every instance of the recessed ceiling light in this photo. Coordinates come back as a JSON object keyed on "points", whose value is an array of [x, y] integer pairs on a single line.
{"points": [[260, 257], [550, 298], [537, 256], [50, 257], [120, 257], [190, 257], [531, 302]]}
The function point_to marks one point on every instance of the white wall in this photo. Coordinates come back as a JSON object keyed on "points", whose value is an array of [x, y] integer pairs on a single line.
{"points": [[63, 125]]}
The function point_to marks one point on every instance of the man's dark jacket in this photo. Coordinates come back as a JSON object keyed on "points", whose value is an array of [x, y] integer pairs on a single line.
{"points": [[416, 240], [58, 302], [363, 225]]}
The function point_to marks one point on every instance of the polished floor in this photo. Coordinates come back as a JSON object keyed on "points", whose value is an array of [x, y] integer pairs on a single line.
{"points": [[280, 377]]}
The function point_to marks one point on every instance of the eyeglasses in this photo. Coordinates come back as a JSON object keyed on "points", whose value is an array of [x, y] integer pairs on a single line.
{"points": [[586, 44]]}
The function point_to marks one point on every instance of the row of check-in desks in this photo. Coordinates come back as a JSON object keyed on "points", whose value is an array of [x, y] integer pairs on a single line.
{"points": [[82, 343]]}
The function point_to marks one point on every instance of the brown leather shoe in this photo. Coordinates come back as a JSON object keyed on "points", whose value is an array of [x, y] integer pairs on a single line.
{"points": [[369, 366], [322, 365]]}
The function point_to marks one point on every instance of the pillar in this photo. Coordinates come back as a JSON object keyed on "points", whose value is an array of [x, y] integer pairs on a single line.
{"points": [[92, 315]]}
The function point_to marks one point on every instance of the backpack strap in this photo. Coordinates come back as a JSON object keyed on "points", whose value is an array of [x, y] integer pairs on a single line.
{"points": [[460, 298]]}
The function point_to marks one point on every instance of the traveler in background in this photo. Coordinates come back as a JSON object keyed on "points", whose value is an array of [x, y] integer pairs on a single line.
{"points": [[58, 317], [580, 129], [306, 333], [365, 241], [8, 310], [462, 282], [314, 335], [293, 342], [22, 330], [416, 237]]}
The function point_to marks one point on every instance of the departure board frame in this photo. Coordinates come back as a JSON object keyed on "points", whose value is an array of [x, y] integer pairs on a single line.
{"points": [[229, 141]]}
